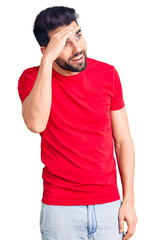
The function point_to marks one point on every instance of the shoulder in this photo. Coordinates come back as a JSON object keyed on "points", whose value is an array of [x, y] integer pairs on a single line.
{"points": [[99, 65], [30, 72]]}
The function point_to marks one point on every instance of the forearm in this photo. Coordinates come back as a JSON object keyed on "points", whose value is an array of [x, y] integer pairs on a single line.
{"points": [[36, 107], [126, 163]]}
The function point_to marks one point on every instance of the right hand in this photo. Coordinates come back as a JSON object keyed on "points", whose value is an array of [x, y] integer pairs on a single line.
{"points": [[57, 42]]}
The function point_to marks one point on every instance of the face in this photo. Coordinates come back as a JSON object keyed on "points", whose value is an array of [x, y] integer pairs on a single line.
{"points": [[73, 55]]}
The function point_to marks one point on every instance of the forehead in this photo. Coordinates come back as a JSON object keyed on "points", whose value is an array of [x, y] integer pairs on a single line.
{"points": [[72, 24]]}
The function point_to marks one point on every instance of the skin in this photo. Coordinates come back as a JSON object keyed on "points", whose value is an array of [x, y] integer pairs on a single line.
{"points": [[36, 106], [124, 148], [74, 46], [59, 54]]}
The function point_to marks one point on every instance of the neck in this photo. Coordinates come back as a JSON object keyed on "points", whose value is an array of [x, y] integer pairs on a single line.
{"points": [[63, 71]]}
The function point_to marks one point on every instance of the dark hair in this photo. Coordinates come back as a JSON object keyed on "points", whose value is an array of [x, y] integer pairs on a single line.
{"points": [[51, 18]]}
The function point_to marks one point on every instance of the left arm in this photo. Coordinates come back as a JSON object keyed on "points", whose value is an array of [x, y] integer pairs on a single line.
{"points": [[124, 148]]}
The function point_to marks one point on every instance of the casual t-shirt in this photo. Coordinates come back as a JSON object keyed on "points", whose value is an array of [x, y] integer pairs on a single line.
{"points": [[77, 144]]}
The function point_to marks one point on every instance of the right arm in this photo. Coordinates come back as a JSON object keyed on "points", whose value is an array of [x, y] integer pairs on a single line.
{"points": [[36, 106]]}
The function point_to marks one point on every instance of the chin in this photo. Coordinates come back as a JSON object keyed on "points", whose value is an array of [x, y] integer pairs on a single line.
{"points": [[79, 68]]}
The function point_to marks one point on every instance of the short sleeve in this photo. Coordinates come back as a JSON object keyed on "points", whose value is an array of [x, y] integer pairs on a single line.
{"points": [[117, 101], [26, 82]]}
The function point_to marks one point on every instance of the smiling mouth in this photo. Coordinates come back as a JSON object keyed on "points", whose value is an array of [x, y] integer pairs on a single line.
{"points": [[77, 59]]}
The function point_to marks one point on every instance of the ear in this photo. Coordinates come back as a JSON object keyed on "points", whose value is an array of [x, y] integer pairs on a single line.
{"points": [[43, 49]]}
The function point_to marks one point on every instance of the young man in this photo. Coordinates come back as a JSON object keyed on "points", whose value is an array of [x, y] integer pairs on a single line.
{"points": [[76, 104]]}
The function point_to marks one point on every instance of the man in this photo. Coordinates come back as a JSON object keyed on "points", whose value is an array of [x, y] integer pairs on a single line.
{"points": [[76, 104]]}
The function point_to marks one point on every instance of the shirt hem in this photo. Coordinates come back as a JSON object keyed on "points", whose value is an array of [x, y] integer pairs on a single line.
{"points": [[87, 202]]}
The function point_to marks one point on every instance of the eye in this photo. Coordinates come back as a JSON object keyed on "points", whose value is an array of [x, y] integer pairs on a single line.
{"points": [[79, 36]]}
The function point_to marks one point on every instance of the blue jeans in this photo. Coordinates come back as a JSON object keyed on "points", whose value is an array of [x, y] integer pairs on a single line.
{"points": [[82, 222]]}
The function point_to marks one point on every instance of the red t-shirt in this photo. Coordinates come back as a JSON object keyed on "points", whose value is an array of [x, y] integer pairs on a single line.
{"points": [[77, 144]]}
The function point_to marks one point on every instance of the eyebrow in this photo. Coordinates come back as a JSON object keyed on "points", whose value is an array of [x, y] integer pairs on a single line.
{"points": [[78, 32], [75, 34]]}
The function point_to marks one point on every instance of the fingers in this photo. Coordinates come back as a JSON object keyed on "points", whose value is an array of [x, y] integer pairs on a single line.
{"points": [[131, 230], [121, 224], [57, 42], [64, 34], [67, 31]]}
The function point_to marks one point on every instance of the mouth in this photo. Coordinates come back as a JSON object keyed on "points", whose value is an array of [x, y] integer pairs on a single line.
{"points": [[77, 59]]}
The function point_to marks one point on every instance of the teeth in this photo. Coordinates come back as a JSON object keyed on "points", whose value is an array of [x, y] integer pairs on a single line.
{"points": [[77, 57]]}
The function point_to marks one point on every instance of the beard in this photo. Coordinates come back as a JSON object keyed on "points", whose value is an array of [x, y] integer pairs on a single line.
{"points": [[73, 67]]}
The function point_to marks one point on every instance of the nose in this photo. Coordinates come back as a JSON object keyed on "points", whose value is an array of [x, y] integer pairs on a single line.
{"points": [[76, 49]]}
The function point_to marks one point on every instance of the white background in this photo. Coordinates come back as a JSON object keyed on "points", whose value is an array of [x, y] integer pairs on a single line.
{"points": [[120, 33]]}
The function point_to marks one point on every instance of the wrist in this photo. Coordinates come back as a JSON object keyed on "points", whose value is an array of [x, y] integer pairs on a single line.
{"points": [[129, 200], [46, 60]]}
